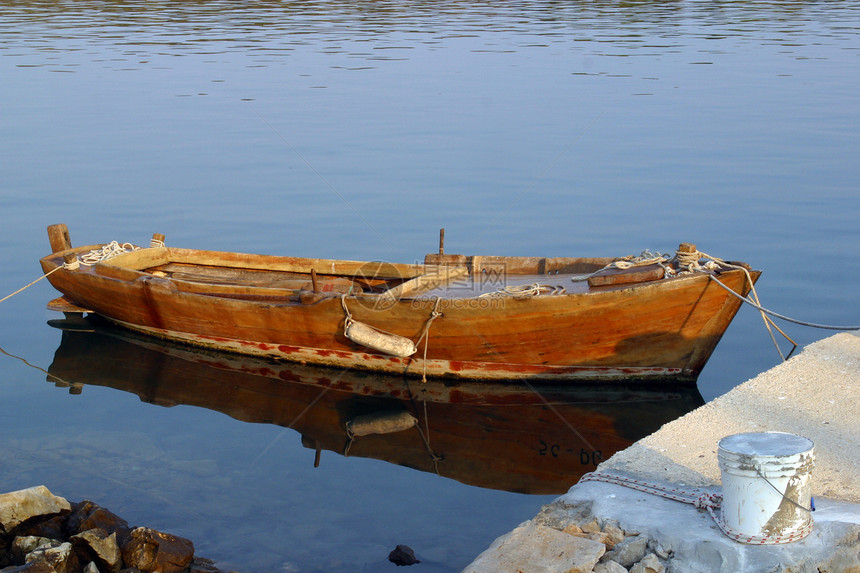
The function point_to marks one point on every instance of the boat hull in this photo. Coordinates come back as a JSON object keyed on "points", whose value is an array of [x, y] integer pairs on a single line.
{"points": [[658, 330]]}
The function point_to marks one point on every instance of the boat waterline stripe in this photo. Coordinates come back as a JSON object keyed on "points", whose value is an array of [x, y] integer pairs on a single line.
{"points": [[409, 365]]}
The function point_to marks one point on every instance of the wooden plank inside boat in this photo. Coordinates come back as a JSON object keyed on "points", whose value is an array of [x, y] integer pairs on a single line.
{"points": [[610, 277]]}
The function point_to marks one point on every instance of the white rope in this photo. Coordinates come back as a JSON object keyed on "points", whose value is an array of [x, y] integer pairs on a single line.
{"points": [[534, 289], [108, 251], [703, 500], [644, 258]]}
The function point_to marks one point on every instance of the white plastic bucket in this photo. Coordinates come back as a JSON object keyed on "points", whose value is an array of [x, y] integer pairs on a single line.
{"points": [[766, 486]]}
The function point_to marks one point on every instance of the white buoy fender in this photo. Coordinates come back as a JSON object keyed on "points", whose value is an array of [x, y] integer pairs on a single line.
{"points": [[369, 337], [766, 484], [380, 423]]}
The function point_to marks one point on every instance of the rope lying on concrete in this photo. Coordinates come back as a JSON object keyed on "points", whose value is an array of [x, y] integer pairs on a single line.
{"points": [[702, 500]]}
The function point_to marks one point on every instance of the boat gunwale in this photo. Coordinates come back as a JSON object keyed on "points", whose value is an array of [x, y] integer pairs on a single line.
{"points": [[137, 262]]}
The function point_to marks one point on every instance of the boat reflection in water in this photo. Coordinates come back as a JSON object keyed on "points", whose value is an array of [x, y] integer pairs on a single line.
{"points": [[523, 437]]}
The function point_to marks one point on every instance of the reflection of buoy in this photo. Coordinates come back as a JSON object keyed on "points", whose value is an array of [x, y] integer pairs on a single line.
{"points": [[380, 423], [369, 337]]}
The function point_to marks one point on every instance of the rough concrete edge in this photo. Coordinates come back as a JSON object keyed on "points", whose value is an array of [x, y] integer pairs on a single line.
{"points": [[842, 530]]}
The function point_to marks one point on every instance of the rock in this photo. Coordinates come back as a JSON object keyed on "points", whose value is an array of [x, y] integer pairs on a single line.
{"points": [[99, 547], [660, 550], [591, 527], [53, 527], [559, 515], [649, 564], [91, 568], [25, 544], [403, 555], [36, 567], [572, 529], [150, 550], [18, 507], [87, 515], [614, 533], [535, 547], [628, 552], [598, 536], [609, 567], [60, 558]]}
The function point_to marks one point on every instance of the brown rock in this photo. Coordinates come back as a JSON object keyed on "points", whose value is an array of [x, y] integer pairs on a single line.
{"points": [[53, 527], [150, 550], [615, 534], [87, 515], [99, 547], [599, 537]]}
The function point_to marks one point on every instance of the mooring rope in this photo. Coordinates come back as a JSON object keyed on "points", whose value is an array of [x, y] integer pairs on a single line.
{"points": [[781, 316], [434, 457], [702, 500], [96, 255], [689, 262], [425, 335], [25, 287]]}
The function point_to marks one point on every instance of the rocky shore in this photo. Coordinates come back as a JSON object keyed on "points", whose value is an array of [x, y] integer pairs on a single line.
{"points": [[44, 533], [572, 540]]}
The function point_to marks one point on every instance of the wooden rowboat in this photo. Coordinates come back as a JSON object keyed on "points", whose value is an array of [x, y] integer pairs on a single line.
{"points": [[520, 436], [474, 317]]}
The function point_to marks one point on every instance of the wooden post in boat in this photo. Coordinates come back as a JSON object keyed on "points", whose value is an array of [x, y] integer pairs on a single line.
{"points": [[315, 295], [157, 240], [687, 248], [70, 259], [442, 241], [58, 235]]}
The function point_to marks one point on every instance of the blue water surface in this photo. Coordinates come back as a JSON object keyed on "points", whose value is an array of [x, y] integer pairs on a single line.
{"points": [[358, 130]]}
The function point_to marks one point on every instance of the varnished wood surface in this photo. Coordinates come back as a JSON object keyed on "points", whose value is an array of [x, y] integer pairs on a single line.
{"points": [[517, 436], [257, 302]]}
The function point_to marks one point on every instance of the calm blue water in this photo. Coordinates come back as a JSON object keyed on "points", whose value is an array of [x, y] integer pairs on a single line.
{"points": [[357, 131]]}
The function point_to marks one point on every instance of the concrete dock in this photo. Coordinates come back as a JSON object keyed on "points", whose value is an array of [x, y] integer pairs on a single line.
{"points": [[609, 528]]}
